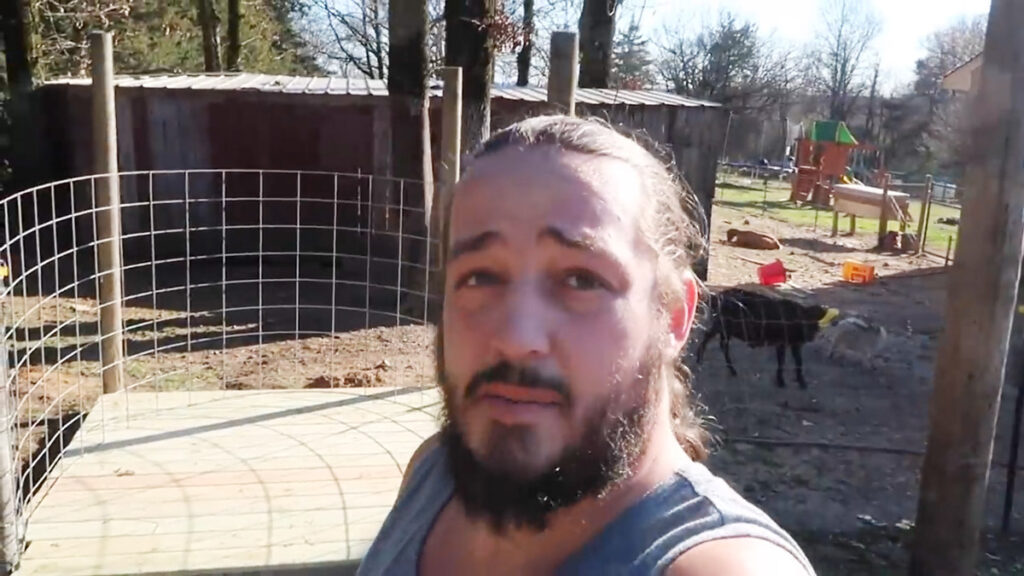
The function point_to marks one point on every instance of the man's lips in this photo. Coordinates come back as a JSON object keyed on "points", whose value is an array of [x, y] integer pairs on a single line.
{"points": [[521, 394]]}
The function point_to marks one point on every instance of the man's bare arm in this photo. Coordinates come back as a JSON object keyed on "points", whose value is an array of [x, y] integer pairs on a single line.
{"points": [[737, 557]]}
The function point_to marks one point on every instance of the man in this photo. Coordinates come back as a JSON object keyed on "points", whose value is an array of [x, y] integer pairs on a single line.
{"points": [[569, 444]]}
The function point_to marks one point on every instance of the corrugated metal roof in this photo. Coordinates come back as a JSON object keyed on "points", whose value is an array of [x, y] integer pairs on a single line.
{"points": [[270, 83]]}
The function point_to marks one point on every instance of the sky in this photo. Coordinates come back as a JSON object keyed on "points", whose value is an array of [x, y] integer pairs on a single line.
{"points": [[905, 23]]}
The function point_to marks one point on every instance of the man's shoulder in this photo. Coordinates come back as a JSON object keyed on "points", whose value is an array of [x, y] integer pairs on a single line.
{"points": [[417, 457], [744, 556], [733, 536]]}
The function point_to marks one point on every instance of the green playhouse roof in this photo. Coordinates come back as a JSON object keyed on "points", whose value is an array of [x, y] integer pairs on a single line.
{"points": [[832, 131]]}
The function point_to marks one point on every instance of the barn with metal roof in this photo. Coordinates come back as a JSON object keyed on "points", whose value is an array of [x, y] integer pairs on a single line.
{"points": [[260, 121], [266, 122]]}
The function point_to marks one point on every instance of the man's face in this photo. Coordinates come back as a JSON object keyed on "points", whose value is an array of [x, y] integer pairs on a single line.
{"points": [[551, 331]]}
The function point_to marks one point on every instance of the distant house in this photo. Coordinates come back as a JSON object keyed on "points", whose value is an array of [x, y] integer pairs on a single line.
{"points": [[965, 76]]}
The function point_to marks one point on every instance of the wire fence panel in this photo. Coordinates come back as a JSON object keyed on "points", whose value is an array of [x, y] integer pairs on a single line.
{"points": [[231, 280], [842, 454]]}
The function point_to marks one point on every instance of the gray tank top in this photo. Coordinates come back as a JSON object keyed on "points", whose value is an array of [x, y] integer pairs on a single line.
{"points": [[692, 508]]}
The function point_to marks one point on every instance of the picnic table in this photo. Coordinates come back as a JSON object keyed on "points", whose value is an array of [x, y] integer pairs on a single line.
{"points": [[866, 201]]}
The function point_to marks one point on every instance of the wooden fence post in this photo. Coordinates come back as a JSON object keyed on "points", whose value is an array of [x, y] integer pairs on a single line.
{"points": [[1011, 468], [563, 72], [883, 218], [108, 211], [451, 143], [9, 521], [922, 224], [982, 294]]}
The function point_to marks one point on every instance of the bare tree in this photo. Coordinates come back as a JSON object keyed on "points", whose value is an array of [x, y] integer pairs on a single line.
{"points": [[836, 62], [946, 49], [59, 31], [410, 133], [209, 23], [234, 49], [730, 63], [945, 143], [351, 36], [597, 38], [925, 129], [632, 65], [525, 54], [469, 44], [407, 87], [871, 120]]}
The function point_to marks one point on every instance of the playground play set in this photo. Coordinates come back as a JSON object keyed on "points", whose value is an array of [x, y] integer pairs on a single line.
{"points": [[823, 178]]}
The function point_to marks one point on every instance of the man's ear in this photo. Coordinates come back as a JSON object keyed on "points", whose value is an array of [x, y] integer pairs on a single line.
{"points": [[684, 311]]}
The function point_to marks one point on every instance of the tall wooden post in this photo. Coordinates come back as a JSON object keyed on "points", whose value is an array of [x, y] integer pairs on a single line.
{"points": [[883, 218], [451, 142], [979, 310], [564, 71], [8, 473], [1011, 467], [470, 46], [108, 211], [922, 223]]}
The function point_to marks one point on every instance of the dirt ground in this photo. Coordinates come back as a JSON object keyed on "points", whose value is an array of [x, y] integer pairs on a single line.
{"points": [[847, 483], [837, 464]]}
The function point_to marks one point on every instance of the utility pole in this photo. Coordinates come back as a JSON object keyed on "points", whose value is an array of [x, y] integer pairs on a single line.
{"points": [[979, 312]]}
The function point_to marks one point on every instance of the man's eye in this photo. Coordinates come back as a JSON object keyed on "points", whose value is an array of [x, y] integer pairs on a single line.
{"points": [[478, 278], [581, 280]]}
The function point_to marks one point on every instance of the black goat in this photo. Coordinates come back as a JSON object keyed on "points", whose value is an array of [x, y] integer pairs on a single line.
{"points": [[761, 320]]}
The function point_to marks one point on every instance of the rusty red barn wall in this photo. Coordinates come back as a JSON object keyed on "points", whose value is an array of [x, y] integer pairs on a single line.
{"points": [[224, 130], [185, 129]]}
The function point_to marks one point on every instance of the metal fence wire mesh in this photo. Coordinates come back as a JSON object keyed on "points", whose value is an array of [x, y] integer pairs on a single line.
{"points": [[247, 279], [273, 263]]}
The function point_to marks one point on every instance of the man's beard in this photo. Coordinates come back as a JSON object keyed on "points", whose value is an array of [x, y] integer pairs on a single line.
{"points": [[491, 488]]}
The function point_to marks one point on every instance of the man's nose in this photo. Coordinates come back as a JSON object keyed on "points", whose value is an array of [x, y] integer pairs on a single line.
{"points": [[525, 324]]}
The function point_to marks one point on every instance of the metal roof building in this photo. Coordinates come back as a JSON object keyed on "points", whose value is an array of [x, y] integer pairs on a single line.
{"points": [[262, 121], [335, 86], [267, 122]]}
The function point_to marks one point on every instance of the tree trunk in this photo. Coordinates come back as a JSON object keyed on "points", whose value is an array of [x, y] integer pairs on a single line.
{"points": [[234, 51], [869, 124], [597, 34], [378, 35], [410, 146], [209, 23], [16, 22], [526, 52], [469, 45]]}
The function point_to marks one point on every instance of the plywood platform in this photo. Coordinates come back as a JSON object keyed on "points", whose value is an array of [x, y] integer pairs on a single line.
{"points": [[268, 482]]}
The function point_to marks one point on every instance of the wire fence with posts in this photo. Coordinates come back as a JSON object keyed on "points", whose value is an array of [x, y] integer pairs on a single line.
{"points": [[931, 212], [217, 280]]}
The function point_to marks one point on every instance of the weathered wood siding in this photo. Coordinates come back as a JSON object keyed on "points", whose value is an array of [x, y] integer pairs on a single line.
{"points": [[164, 129]]}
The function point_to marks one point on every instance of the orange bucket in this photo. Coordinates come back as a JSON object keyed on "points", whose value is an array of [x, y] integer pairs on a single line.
{"points": [[773, 273], [858, 272]]}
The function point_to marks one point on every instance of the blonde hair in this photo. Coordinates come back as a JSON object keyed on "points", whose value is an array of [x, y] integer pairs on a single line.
{"points": [[674, 226]]}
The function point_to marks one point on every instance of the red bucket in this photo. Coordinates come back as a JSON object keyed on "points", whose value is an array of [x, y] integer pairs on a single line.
{"points": [[773, 273]]}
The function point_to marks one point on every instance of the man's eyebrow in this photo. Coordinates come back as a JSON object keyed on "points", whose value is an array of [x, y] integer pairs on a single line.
{"points": [[473, 244], [581, 243]]}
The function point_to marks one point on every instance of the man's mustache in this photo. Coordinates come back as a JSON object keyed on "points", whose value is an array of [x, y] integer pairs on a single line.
{"points": [[507, 373]]}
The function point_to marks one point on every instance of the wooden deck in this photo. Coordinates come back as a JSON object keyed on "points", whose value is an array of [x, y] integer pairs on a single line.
{"points": [[267, 482]]}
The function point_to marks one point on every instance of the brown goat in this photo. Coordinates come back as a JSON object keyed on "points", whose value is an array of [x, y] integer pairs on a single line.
{"points": [[752, 240]]}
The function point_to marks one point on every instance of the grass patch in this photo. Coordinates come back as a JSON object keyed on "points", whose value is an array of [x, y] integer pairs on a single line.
{"points": [[773, 202]]}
